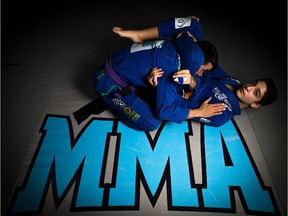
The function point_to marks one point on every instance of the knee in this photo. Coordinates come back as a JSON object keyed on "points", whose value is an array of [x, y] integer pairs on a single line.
{"points": [[149, 126], [141, 126]]}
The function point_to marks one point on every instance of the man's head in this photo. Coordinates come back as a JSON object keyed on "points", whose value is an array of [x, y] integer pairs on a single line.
{"points": [[210, 56], [257, 93], [210, 53]]}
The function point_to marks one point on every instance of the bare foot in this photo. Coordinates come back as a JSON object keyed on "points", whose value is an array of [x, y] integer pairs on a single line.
{"points": [[131, 34]]}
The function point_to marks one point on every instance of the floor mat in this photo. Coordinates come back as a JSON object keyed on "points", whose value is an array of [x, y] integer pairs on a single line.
{"points": [[95, 165]]}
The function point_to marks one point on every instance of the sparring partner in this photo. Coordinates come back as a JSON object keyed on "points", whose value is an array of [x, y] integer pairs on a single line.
{"points": [[190, 30], [255, 94]]}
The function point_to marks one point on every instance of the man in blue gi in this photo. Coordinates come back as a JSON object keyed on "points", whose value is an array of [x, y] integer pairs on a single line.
{"points": [[215, 84], [173, 28], [236, 97]]}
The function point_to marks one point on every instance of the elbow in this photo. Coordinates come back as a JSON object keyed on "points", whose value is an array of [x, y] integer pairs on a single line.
{"points": [[172, 113], [164, 114], [217, 123]]}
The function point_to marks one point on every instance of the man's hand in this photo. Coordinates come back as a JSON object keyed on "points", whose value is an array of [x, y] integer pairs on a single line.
{"points": [[154, 75], [208, 110], [187, 77]]}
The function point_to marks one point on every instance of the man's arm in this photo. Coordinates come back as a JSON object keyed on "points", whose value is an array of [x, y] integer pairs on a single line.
{"points": [[165, 104], [207, 110], [185, 74]]}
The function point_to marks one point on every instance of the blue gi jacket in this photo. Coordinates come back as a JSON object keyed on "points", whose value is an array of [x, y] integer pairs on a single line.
{"points": [[134, 64], [219, 93]]}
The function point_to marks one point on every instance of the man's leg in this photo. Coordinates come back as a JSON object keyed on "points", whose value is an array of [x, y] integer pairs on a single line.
{"points": [[133, 112]]}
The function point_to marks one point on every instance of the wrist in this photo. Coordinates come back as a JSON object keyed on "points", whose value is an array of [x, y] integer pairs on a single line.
{"points": [[192, 83], [194, 113]]}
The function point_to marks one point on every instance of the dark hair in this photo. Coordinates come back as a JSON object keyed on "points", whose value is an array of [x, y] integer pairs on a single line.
{"points": [[209, 51], [271, 93]]}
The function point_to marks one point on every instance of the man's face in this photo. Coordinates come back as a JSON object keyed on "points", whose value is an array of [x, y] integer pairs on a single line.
{"points": [[203, 68], [252, 92]]}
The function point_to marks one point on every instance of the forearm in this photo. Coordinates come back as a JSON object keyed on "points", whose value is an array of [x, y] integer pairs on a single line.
{"points": [[193, 113], [206, 109], [192, 83]]}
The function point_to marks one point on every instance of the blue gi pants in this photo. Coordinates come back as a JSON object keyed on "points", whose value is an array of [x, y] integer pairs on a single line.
{"points": [[130, 109]]}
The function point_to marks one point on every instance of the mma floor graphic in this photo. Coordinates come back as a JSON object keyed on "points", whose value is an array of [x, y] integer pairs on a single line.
{"points": [[102, 167]]}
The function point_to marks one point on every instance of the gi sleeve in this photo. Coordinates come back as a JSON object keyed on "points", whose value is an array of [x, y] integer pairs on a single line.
{"points": [[172, 26], [191, 55], [166, 94], [220, 74], [215, 121]]}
